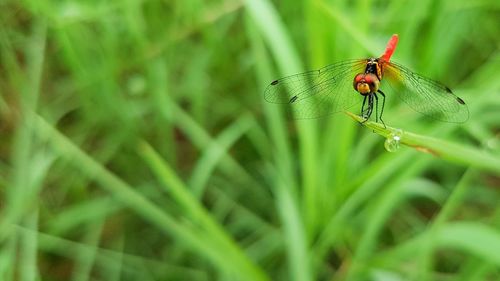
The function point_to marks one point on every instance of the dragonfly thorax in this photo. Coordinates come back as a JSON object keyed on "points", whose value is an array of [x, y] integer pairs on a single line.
{"points": [[373, 66], [366, 83]]}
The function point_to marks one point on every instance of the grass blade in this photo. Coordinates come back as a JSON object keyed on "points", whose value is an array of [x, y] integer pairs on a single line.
{"points": [[453, 152]]}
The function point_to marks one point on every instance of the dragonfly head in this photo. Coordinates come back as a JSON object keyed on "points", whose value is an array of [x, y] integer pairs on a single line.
{"points": [[366, 83]]}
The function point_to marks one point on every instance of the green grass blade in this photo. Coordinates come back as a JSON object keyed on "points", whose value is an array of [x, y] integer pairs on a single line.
{"points": [[465, 236], [455, 199], [272, 29], [188, 236], [84, 261], [174, 185], [216, 151], [28, 268], [453, 152]]}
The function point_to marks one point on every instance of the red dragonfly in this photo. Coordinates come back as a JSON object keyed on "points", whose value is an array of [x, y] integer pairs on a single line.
{"points": [[328, 90]]}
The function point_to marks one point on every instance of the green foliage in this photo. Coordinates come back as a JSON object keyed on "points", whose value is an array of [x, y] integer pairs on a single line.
{"points": [[136, 144]]}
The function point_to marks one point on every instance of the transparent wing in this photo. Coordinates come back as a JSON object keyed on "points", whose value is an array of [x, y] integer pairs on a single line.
{"points": [[320, 92], [424, 95]]}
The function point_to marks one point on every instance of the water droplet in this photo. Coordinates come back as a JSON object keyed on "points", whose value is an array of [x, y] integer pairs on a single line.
{"points": [[392, 142]]}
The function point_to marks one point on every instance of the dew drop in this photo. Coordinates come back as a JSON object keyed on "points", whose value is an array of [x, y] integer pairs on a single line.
{"points": [[392, 142]]}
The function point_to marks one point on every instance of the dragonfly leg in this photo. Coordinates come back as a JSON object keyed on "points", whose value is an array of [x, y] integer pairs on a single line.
{"points": [[370, 102], [383, 105], [376, 107], [369, 110], [363, 107]]}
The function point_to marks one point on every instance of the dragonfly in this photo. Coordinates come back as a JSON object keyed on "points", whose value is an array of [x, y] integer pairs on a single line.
{"points": [[342, 85]]}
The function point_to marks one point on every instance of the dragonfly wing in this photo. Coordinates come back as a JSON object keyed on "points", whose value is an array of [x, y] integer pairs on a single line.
{"points": [[424, 95], [320, 92]]}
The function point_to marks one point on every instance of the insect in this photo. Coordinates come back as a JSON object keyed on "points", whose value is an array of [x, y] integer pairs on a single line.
{"points": [[329, 90]]}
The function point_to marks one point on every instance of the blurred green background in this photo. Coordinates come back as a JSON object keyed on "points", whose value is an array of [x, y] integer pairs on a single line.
{"points": [[136, 144]]}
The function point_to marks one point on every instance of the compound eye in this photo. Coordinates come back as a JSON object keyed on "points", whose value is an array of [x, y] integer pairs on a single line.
{"points": [[358, 78], [371, 79]]}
